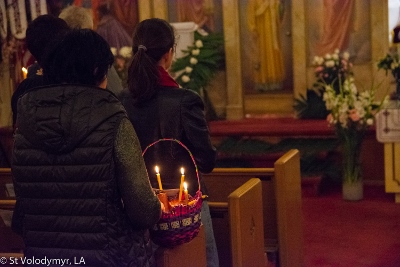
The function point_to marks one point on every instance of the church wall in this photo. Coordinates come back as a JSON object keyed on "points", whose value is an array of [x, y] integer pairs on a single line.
{"points": [[368, 44]]}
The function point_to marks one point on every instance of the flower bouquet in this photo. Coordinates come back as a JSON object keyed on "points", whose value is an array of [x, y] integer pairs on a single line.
{"points": [[201, 61], [391, 63], [351, 113], [330, 69]]}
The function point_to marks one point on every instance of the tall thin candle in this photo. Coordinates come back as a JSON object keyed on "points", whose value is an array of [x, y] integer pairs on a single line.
{"points": [[185, 192], [158, 178], [181, 185], [24, 72]]}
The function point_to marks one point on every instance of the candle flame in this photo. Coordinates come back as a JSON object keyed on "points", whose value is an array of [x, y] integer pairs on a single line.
{"points": [[157, 171], [24, 70], [185, 185], [182, 171]]}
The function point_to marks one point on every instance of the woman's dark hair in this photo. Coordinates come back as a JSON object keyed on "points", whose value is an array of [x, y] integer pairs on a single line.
{"points": [[154, 37], [81, 57], [41, 32]]}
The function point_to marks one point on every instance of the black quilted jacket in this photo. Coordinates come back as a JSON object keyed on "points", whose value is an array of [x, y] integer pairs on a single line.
{"points": [[68, 203]]}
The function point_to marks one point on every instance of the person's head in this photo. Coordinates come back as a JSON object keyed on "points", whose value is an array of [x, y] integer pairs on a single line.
{"points": [[103, 10], [153, 43], [41, 32], [77, 17], [82, 57]]}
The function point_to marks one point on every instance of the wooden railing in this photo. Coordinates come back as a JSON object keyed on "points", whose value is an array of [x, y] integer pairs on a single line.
{"points": [[281, 199]]}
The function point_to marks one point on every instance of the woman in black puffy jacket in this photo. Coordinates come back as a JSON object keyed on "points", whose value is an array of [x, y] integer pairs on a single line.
{"points": [[83, 194]]}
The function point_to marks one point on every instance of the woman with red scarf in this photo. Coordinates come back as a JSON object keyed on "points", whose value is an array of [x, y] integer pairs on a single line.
{"points": [[159, 109]]}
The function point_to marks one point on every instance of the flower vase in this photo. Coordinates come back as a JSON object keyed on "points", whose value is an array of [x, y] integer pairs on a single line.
{"points": [[352, 186], [352, 191]]}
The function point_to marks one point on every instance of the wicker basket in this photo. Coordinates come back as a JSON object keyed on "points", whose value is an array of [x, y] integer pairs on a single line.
{"points": [[182, 223]]}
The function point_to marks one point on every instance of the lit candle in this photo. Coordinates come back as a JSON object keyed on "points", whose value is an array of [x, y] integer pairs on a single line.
{"points": [[185, 192], [24, 72], [181, 185], [158, 178]]}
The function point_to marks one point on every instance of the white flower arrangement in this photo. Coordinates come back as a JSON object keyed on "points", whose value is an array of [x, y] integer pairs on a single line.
{"points": [[350, 109], [200, 61], [351, 113]]}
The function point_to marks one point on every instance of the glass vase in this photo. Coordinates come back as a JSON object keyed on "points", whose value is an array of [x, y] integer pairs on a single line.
{"points": [[352, 183]]}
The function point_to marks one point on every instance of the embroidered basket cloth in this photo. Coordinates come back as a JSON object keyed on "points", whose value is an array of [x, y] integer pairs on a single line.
{"points": [[182, 223]]}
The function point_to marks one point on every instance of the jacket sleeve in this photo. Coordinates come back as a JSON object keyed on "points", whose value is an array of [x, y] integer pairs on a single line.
{"points": [[140, 202], [196, 132]]}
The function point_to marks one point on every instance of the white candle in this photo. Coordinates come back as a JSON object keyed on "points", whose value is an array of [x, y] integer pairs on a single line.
{"points": [[158, 178]]}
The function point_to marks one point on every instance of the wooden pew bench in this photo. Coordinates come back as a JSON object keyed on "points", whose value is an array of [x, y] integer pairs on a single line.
{"points": [[239, 224], [11, 244], [191, 254], [281, 199], [7, 197]]}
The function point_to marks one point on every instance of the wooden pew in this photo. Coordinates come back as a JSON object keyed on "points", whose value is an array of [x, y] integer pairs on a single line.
{"points": [[282, 211], [246, 224], [6, 201], [191, 254], [10, 242]]}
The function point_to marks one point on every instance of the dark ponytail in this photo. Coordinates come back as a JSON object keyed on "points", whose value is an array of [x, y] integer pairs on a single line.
{"points": [[152, 38]]}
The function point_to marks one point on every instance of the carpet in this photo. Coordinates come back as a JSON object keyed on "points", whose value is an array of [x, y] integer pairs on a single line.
{"points": [[339, 233]]}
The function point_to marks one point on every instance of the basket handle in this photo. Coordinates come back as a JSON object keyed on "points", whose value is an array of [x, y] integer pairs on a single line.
{"points": [[179, 142]]}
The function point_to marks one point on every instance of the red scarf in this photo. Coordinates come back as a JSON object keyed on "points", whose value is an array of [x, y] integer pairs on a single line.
{"points": [[166, 79]]}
